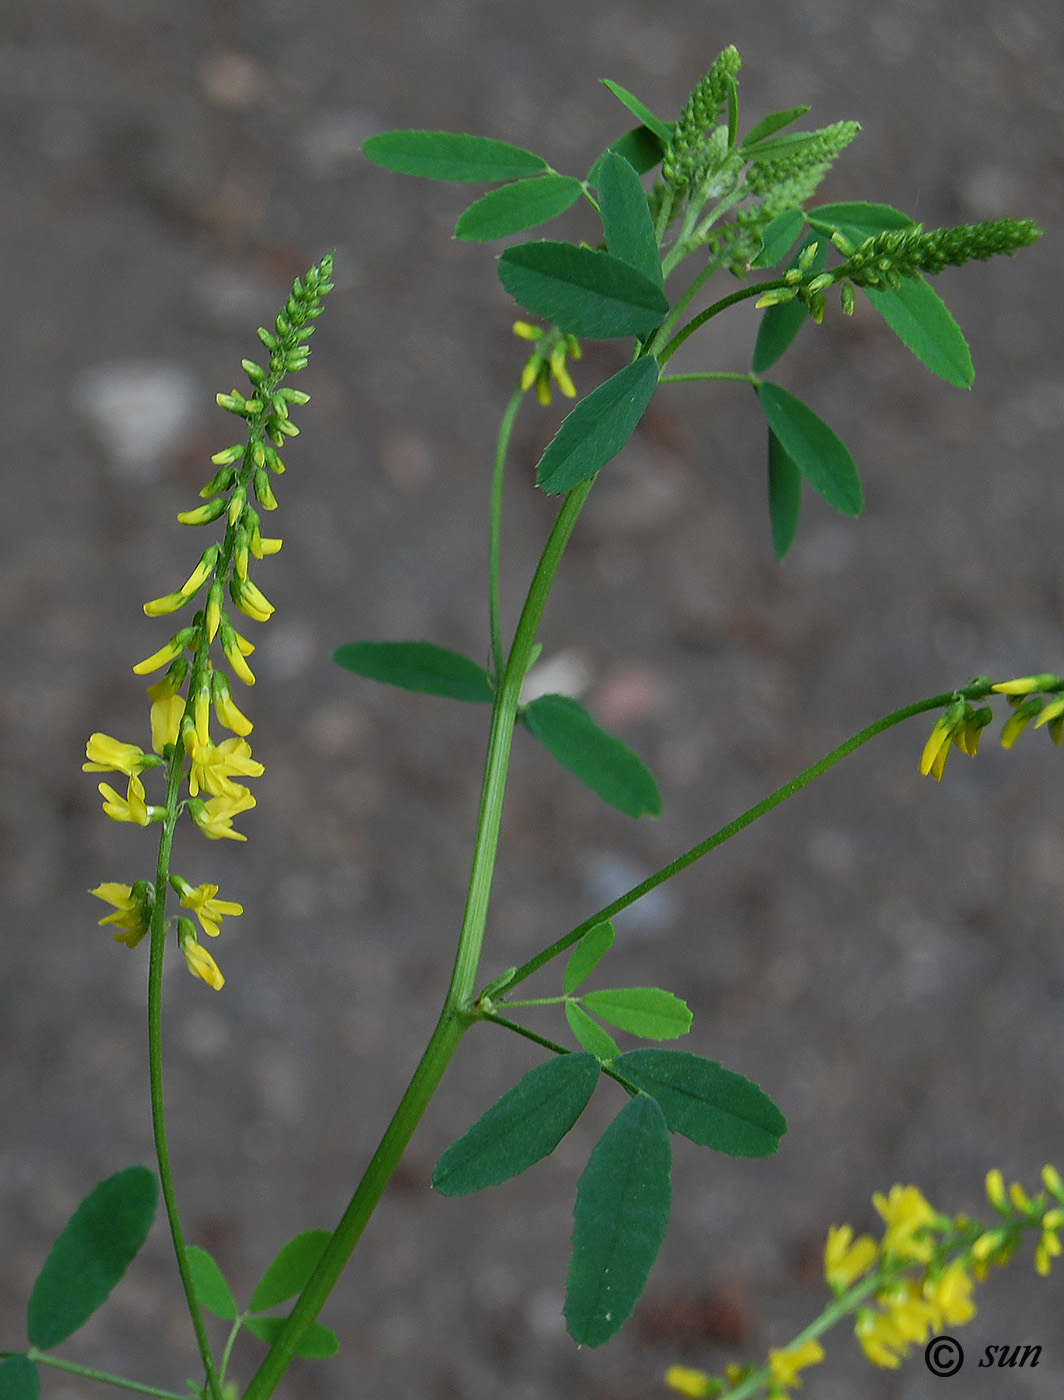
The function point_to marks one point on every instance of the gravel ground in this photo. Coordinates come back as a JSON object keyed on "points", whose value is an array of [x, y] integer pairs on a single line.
{"points": [[883, 954]]}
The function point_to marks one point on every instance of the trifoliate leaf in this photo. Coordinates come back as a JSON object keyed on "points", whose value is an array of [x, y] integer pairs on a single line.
{"points": [[921, 320]]}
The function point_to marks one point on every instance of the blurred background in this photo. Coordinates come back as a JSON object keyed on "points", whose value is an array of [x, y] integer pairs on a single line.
{"points": [[883, 954]]}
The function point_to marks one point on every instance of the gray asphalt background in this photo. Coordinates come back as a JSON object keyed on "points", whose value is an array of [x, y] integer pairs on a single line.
{"points": [[883, 954]]}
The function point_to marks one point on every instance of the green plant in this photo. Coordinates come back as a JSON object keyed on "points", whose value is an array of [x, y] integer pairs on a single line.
{"points": [[734, 204]]}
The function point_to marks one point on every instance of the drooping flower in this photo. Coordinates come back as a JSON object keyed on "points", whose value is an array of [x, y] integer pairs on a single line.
{"points": [[215, 816], [950, 1295], [167, 707], [131, 808], [908, 1218], [687, 1381], [107, 755], [215, 765], [198, 961], [786, 1364], [846, 1259], [132, 909], [209, 910]]}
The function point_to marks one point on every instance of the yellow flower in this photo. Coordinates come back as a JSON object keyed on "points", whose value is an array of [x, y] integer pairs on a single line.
{"points": [[251, 601], [786, 1364], [688, 1381], [1018, 721], [131, 808], [170, 602], [936, 750], [236, 648], [214, 764], [167, 707], [215, 817], [200, 963], [846, 1259], [950, 1295], [995, 1191], [132, 912], [1024, 685], [225, 707], [107, 755], [210, 911], [1049, 1243], [879, 1339], [907, 1215], [1053, 1181], [173, 649]]}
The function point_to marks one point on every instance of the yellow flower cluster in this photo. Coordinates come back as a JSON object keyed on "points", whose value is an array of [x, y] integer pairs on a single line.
{"points": [[902, 1289], [183, 700], [1036, 698], [547, 361]]}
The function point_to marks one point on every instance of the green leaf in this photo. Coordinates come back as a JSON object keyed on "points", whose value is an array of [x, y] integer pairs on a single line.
{"points": [[619, 1220], [99, 1243], [646, 1011], [784, 495], [818, 453], [209, 1283], [19, 1379], [290, 1270], [421, 666], [856, 219], [778, 239], [593, 432], [921, 319], [599, 759], [662, 130], [781, 323], [707, 1103], [590, 1034], [639, 147], [584, 291], [587, 954], [446, 155], [524, 204], [523, 1127], [626, 217], [318, 1344], [772, 123]]}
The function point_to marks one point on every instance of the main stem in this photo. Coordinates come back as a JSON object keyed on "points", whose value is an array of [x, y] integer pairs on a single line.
{"points": [[457, 1014], [155, 1070]]}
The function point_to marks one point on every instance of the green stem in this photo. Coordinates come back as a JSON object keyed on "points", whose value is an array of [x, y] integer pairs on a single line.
{"points": [[44, 1359], [498, 474], [709, 374], [734, 827], [718, 306], [457, 1012], [155, 1068]]}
